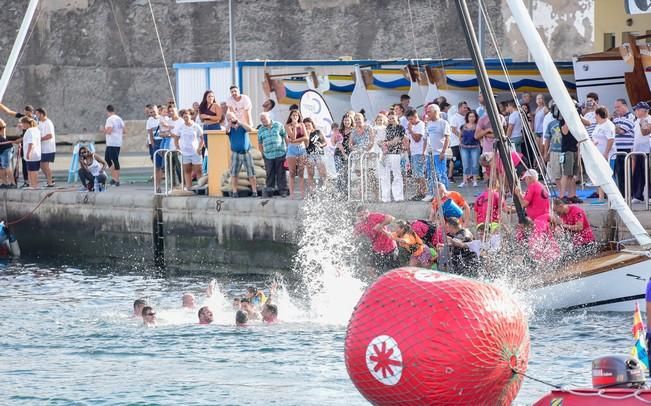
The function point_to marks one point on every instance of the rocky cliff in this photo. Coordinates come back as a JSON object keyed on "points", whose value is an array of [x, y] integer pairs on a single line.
{"points": [[84, 54]]}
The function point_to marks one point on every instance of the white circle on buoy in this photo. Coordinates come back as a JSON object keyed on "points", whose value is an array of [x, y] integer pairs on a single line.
{"points": [[427, 275], [384, 360]]}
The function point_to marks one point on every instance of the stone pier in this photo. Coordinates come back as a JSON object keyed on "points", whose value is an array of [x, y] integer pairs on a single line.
{"points": [[129, 225]]}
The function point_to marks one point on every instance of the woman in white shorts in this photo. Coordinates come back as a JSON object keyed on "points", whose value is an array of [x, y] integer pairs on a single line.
{"points": [[189, 141]]}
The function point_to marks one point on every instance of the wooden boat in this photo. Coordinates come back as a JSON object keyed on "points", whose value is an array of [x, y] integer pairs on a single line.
{"points": [[610, 281], [456, 80], [622, 72]]}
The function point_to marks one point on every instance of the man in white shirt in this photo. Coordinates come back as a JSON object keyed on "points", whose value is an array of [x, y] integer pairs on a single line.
{"points": [[114, 129], [456, 122], [48, 144], [240, 104], [154, 129], [174, 122], [417, 147], [438, 133], [514, 128], [591, 104], [641, 144]]}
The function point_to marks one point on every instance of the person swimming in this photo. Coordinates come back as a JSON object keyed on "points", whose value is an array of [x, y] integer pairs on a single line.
{"points": [[241, 318], [148, 316], [138, 304], [250, 310], [236, 303], [270, 313], [205, 315], [188, 301]]}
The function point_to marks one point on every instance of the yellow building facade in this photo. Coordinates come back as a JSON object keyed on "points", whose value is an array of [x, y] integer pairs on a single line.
{"points": [[613, 24]]}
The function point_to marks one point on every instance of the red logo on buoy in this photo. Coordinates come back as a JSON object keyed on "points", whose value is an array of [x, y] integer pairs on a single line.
{"points": [[384, 360]]}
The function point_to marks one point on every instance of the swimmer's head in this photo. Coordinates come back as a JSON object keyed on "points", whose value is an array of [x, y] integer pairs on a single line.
{"points": [[188, 301], [269, 313], [241, 318], [138, 304], [205, 315], [236, 303], [148, 315]]}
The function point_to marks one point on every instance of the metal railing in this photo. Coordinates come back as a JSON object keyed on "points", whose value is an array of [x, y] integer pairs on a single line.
{"points": [[627, 177], [168, 171], [364, 159]]}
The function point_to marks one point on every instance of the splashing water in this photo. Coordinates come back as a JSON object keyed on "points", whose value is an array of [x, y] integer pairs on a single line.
{"points": [[327, 260]]}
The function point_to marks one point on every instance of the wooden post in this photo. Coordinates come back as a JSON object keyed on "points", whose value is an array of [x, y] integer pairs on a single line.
{"points": [[219, 158]]}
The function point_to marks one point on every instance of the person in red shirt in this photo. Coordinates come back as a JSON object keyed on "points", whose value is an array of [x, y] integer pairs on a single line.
{"points": [[482, 205], [373, 226], [543, 247], [536, 199], [573, 219]]}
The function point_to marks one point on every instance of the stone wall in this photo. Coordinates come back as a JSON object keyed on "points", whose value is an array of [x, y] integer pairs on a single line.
{"points": [[198, 233], [84, 54]]}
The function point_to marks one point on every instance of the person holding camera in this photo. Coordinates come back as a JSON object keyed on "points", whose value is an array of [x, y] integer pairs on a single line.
{"points": [[91, 169], [238, 134]]}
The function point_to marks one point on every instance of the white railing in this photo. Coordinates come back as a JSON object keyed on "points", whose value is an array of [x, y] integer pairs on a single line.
{"points": [[364, 160], [168, 171]]}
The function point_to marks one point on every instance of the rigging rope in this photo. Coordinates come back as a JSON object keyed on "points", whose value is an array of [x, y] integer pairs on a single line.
{"points": [[413, 34], [47, 195], [160, 45], [122, 40], [527, 130], [29, 36]]}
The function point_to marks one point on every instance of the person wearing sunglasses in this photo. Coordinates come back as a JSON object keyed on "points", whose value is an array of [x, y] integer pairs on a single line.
{"points": [[148, 316], [91, 169]]}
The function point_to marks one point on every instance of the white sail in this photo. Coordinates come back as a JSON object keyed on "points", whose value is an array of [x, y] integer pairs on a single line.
{"points": [[18, 45], [360, 99], [595, 164]]}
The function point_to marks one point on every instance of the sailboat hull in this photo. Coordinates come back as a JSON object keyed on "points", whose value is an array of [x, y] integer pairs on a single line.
{"points": [[611, 282]]}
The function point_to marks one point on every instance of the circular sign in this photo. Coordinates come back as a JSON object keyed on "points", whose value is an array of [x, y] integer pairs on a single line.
{"points": [[384, 360]]}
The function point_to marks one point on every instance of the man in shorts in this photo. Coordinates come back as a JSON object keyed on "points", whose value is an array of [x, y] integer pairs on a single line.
{"points": [[553, 151], [569, 161], [48, 144], [238, 134], [114, 130], [417, 147]]}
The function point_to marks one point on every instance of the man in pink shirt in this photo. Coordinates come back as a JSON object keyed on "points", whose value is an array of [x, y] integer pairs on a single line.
{"points": [[371, 225], [573, 219], [536, 199]]}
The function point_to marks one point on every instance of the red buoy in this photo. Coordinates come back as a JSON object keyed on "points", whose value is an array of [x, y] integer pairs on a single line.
{"points": [[425, 337]]}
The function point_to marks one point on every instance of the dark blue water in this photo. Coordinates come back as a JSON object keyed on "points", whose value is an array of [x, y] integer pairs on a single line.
{"points": [[67, 337]]}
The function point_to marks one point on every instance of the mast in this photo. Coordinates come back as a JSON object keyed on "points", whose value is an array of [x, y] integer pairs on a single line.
{"points": [[18, 45], [501, 142], [595, 164]]}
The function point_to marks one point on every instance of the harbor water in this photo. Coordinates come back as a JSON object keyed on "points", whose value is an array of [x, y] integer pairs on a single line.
{"points": [[68, 337]]}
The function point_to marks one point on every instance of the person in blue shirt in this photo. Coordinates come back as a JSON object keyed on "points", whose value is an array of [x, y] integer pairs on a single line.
{"points": [[238, 134], [272, 141]]}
